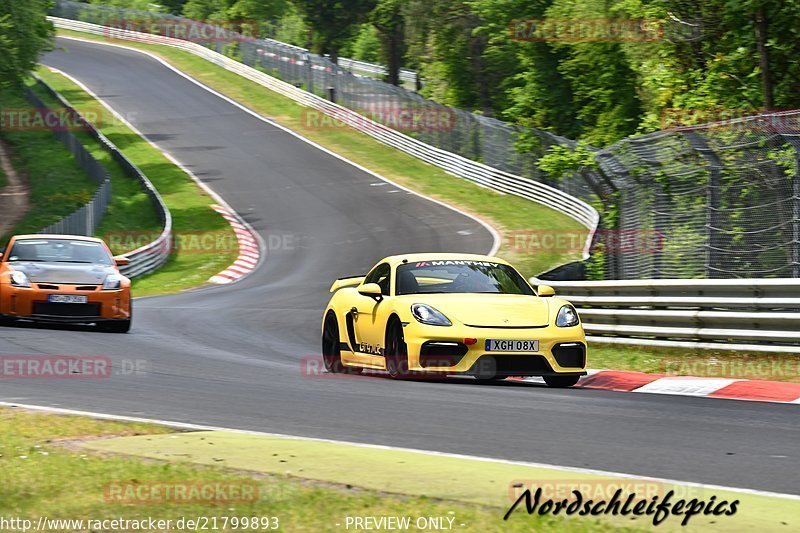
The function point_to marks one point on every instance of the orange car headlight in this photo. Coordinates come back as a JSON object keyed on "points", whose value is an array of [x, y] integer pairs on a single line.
{"points": [[112, 282], [19, 279]]}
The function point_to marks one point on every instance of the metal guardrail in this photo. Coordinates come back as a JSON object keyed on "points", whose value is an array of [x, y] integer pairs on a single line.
{"points": [[454, 164], [85, 221], [733, 314]]}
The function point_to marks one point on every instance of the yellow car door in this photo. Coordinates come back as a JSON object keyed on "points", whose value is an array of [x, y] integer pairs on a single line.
{"points": [[368, 316]]}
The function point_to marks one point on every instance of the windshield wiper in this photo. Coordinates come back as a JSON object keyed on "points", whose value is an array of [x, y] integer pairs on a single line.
{"points": [[66, 261]]}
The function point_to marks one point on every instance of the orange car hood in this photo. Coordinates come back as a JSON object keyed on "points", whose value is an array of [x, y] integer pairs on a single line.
{"points": [[79, 273]]}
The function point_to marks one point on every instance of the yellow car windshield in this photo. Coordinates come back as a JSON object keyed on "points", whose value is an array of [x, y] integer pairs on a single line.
{"points": [[459, 276]]}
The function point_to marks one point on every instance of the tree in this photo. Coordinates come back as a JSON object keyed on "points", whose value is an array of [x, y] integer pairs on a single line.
{"points": [[332, 23], [388, 19], [24, 34]]}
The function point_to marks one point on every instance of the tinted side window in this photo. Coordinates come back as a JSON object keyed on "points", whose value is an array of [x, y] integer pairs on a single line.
{"points": [[380, 275]]}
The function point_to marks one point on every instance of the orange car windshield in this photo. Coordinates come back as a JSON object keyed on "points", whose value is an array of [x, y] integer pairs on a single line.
{"points": [[60, 251]]}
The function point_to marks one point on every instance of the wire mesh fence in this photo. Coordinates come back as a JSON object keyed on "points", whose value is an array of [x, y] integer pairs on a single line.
{"points": [[86, 219], [722, 199]]}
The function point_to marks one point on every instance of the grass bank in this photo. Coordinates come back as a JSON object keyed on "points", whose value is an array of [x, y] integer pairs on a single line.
{"points": [[693, 362], [58, 185]]}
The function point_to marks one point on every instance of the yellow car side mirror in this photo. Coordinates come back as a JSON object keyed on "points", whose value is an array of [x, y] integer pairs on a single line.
{"points": [[373, 290], [545, 290]]}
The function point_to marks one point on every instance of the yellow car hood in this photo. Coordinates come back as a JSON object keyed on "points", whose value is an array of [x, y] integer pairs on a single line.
{"points": [[490, 310]]}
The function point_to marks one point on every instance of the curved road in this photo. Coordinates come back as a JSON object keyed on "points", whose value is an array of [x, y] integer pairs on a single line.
{"points": [[233, 355]]}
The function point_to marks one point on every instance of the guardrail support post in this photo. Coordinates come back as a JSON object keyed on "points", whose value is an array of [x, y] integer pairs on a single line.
{"points": [[796, 215], [699, 144]]}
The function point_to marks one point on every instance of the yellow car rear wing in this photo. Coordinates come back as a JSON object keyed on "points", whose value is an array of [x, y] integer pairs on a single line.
{"points": [[351, 281]]}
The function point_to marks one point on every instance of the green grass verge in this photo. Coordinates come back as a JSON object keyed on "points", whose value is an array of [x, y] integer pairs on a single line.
{"points": [[58, 185], [192, 215], [488, 484], [508, 214], [701, 363], [48, 472]]}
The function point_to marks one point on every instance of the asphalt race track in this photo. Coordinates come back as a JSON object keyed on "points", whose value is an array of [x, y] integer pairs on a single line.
{"points": [[233, 355]]}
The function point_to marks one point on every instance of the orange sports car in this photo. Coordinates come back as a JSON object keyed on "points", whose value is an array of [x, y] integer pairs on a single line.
{"points": [[64, 278]]}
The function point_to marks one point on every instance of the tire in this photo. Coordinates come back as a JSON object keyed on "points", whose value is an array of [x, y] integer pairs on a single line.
{"points": [[119, 326], [396, 351], [6, 321], [485, 370], [331, 352], [561, 382]]}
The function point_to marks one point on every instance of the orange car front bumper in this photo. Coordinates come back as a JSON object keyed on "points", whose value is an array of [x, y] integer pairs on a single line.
{"points": [[32, 303]]}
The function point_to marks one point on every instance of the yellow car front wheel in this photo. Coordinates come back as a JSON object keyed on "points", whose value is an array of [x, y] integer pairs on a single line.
{"points": [[396, 351]]}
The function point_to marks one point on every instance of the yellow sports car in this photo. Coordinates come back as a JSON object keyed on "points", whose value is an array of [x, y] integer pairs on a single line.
{"points": [[451, 314]]}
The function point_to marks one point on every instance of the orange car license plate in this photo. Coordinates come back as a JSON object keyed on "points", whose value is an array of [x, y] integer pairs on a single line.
{"points": [[67, 299]]}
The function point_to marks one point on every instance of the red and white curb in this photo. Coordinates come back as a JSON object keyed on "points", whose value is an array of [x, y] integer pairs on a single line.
{"points": [[249, 251], [728, 388]]}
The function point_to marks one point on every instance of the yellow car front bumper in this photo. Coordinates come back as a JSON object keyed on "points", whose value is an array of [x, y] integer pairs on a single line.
{"points": [[463, 349]]}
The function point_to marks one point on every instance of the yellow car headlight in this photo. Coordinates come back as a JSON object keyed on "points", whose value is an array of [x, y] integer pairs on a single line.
{"points": [[426, 314], [567, 317]]}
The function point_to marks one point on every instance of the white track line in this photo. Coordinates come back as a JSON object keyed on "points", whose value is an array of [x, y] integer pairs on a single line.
{"points": [[199, 427], [495, 234]]}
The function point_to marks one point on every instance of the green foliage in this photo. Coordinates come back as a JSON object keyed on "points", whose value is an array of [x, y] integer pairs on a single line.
{"points": [[692, 61], [139, 5], [291, 28], [387, 18], [265, 13], [24, 34], [561, 161], [366, 46], [333, 23]]}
